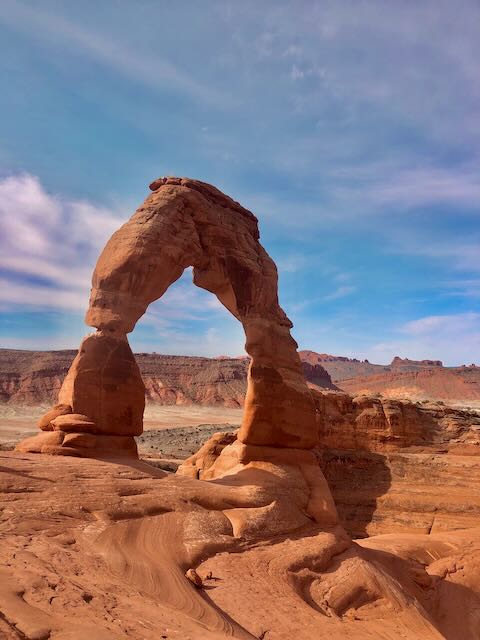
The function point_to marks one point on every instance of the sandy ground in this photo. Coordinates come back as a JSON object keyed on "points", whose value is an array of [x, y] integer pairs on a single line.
{"points": [[18, 422]]}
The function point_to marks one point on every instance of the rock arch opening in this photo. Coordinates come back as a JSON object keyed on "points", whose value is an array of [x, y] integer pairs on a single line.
{"points": [[183, 223]]}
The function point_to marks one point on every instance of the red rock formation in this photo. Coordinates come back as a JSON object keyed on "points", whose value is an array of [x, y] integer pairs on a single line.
{"points": [[35, 377], [341, 367], [391, 466], [402, 363], [460, 384], [189, 223]]}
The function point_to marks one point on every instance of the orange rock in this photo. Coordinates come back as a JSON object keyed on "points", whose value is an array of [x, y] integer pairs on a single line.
{"points": [[189, 223], [104, 383], [73, 422], [58, 410]]}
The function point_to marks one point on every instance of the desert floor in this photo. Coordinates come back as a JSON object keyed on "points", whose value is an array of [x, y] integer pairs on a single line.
{"points": [[18, 422]]}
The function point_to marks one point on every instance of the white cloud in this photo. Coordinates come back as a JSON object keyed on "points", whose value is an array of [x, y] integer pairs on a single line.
{"points": [[455, 336], [49, 245], [49, 248], [453, 324]]}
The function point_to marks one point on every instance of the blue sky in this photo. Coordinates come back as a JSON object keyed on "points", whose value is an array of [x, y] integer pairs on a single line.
{"points": [[351, 129]]}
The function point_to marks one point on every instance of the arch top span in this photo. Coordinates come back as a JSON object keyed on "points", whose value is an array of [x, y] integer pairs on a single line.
{"points": [[185, 223]]}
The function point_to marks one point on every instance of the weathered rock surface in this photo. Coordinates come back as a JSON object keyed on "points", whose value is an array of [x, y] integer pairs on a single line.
{"points": [[104, 383], [104, 555], [45, 422], [391, 465], [383, 425], [189, 223]]}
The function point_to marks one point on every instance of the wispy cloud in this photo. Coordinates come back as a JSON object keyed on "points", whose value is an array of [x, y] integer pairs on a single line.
{"points": [[340, 292], [455, 336], [150, 70], [49, 248], [49, 245]]}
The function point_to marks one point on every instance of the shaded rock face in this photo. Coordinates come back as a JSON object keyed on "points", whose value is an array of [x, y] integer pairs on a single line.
{"points": [[383, 425], [189, 223], [391, 466]]}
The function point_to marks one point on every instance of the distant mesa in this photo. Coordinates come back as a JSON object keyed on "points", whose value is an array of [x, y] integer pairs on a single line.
{"points": [[405, 362], [35, 377]]}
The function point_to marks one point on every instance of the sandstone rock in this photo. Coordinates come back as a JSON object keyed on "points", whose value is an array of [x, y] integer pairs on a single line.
{"points": [[73, 422], [195, 466], [383, 425], [189, 223], [452, 385], [35, 377], [288, 475], [80, 444], [104, 383], [194, 578], [58, 410], [390, 465], [82, 440], [40, 442]]}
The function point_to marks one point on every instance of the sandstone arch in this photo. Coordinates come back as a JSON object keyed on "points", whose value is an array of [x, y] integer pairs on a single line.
{"points": [[182, 223]]}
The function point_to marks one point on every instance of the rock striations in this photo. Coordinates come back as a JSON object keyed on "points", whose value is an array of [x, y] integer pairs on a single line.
{"points": [[35, 378]]}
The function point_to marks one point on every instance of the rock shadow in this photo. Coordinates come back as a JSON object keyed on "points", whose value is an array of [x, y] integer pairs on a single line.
{"points": [[356, 479]]}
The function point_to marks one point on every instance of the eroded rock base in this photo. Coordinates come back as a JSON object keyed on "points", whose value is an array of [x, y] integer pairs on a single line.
{"points": [[87, 445]]}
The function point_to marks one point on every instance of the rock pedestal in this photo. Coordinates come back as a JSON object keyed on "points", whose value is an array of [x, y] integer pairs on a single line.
{"points": [[101, 403]]}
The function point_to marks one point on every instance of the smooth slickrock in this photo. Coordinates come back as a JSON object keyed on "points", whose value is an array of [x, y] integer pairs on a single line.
{"points": [[100, 549]]}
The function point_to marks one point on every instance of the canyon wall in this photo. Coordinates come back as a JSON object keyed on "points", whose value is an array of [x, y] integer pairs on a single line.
{"points": [[392, 466], [35, 377], [398, 466]]}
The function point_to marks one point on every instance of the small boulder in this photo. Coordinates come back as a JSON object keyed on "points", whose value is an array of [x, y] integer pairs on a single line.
{"points": [[194, 578], [58, 410]]}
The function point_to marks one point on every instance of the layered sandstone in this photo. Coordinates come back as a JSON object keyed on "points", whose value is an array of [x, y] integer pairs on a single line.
{"points": [[455, 385], [35, 378], [392, 466]]}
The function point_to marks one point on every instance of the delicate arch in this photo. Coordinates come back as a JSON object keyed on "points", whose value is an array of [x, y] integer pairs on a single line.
{"points": [[189, 223]]}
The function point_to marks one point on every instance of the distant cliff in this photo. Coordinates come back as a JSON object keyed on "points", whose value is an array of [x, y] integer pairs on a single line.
{"points": [[35, 377]]}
